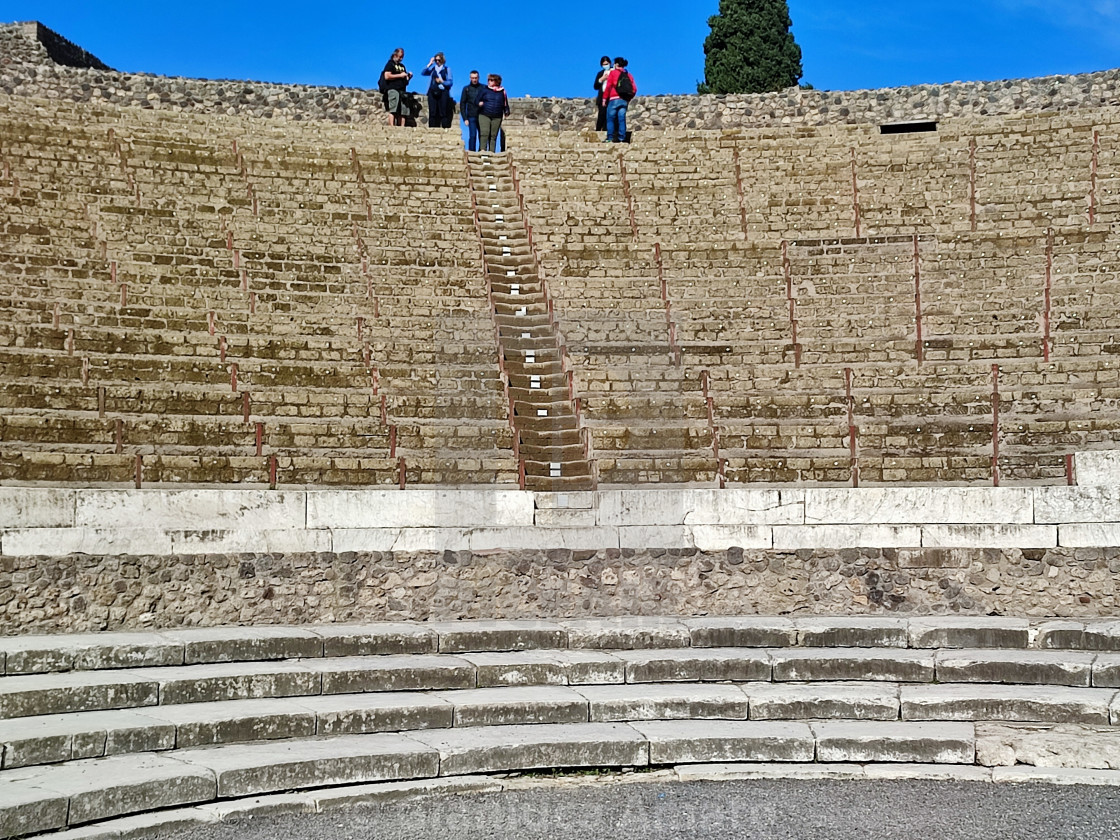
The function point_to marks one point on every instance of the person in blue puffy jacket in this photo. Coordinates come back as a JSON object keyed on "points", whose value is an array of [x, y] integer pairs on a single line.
{"points": [[493, 104]]}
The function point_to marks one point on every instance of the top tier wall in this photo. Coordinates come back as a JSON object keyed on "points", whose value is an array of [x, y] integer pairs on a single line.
{"points": [[26, 68]]}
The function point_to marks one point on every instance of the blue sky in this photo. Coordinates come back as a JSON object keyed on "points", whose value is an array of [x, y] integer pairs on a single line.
{"points": [[552, 49]]}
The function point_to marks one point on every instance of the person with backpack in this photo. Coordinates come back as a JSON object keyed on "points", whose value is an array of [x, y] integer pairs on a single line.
{"points": [[618, 90], [493, 104], [439, 92], [393, 84], [468, 110]]}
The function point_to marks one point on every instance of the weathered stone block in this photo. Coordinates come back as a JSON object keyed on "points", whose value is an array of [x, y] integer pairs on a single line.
{"points": [[245, 644], [703, 665], [852, 701], [394, 673], [836, 665], [514, 706], [376, 639], [691, 742], [851, 632], [1015, 666], [360, 714], [970, 702], [419, 508], [969, 632], [626, 633], [865, 741], [664, 702], [745, 631], [920, 506], [470, 636]]}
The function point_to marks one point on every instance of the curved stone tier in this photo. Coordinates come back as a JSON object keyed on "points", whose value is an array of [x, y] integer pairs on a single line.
{"points": [[98, 728]]}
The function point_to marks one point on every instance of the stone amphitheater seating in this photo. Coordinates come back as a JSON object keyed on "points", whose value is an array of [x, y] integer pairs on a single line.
{"points": [[98, 728]]}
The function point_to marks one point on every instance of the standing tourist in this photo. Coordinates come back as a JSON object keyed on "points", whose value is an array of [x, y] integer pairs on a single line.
{"points": [[493, 104], [439, 92], [619, 89], [468, 110], [600, 80], [393, 84]]}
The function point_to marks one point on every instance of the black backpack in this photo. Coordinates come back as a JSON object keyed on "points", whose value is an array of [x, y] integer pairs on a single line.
{"points": [[625, 86]]}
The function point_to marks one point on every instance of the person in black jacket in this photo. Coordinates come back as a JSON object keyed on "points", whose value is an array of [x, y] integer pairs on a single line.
{"points": [[468, 110], [600, 80], [493, 104], [393, 84]]}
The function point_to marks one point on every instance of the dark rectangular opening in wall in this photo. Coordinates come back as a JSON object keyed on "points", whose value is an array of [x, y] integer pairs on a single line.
{"points": [[908, 128]]}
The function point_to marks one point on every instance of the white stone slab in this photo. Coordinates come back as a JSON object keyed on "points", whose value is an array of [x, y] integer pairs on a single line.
{"points": [[847, 536], [920, 505], [579, 500], [1097, 468], [802, 772], [989, 536], [534, 538], [723, 537], [656, 536], [1089, 535], [421, 508], [58, 542], [250, 540], [1023, 774], [1062, 505], [36, 507], [400, 539], [565, 518], [701, 507], [190, 509]]}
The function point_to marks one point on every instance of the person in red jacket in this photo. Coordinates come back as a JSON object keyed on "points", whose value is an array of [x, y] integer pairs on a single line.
{"points": [[617, 101]]}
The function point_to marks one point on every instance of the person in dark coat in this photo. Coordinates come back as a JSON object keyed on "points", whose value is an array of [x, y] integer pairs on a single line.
{"points": [[600, 80], [468, 110], [393, 84], [493, 104], [439, 92]]}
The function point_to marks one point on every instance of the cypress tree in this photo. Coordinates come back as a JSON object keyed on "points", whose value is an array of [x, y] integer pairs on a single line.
{"points": [[750, 48]]}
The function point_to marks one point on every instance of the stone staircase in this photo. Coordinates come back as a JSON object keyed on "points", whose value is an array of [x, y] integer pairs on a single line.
{"points": [[98, 730], [552, 449]]}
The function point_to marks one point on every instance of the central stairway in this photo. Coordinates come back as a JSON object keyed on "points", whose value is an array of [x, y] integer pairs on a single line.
{"points": [[552, 451]]}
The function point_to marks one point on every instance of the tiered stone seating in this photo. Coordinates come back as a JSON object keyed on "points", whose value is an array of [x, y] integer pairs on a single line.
{"points": [[272, 273], [97, 728]]}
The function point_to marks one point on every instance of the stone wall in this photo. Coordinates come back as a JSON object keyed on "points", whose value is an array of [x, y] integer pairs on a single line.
{"points": [[92, 593], [27, 68]]}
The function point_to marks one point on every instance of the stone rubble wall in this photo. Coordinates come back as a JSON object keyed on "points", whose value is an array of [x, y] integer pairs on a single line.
{"points": [[27, 69]]}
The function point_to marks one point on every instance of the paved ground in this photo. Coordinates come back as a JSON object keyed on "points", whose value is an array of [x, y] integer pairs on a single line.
{"points": [[759, 810]]}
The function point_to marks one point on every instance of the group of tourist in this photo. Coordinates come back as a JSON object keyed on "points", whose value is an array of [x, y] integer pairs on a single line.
{"points": [[482, 108]]}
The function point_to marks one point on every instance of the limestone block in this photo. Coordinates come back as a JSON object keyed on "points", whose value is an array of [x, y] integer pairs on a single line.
{"points": [[792, 538], [1064, 505], [989, 536], [510, 706], [1089, 535], [88, 651], [1106, 670], [695, 665], [881, 741], [261, 806], [232, 681], [101, 788], [30, 810], [364, 540], [490, 749], [741, 631], [1101, 468], [851, 632], [359, 714], [784, 771], [385, 793], [356, 674], [470, 636], [419, 508], [969, 632], [59, 542], [732, 506], [251, 540], [841, 664], [224, 722], [1064, 745], [656, 536], [249, 769], [36, 507], [540, 667], [1101, 635], [1060, 635], [692, 741], [564, 518], [1031, 667], [927, 772], [519, 538], [579, 500], [967, 701], [375, 639], [1023, 775], [920, 505], [626, 633], [852, 701], [197, 509], [161, 823], [51, 694], [654, 701], [245, 644], [47, 739], [723, 537]]}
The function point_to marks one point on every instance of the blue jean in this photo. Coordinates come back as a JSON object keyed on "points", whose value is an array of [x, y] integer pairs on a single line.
{"points": [[472, 134], [616, 120]]}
